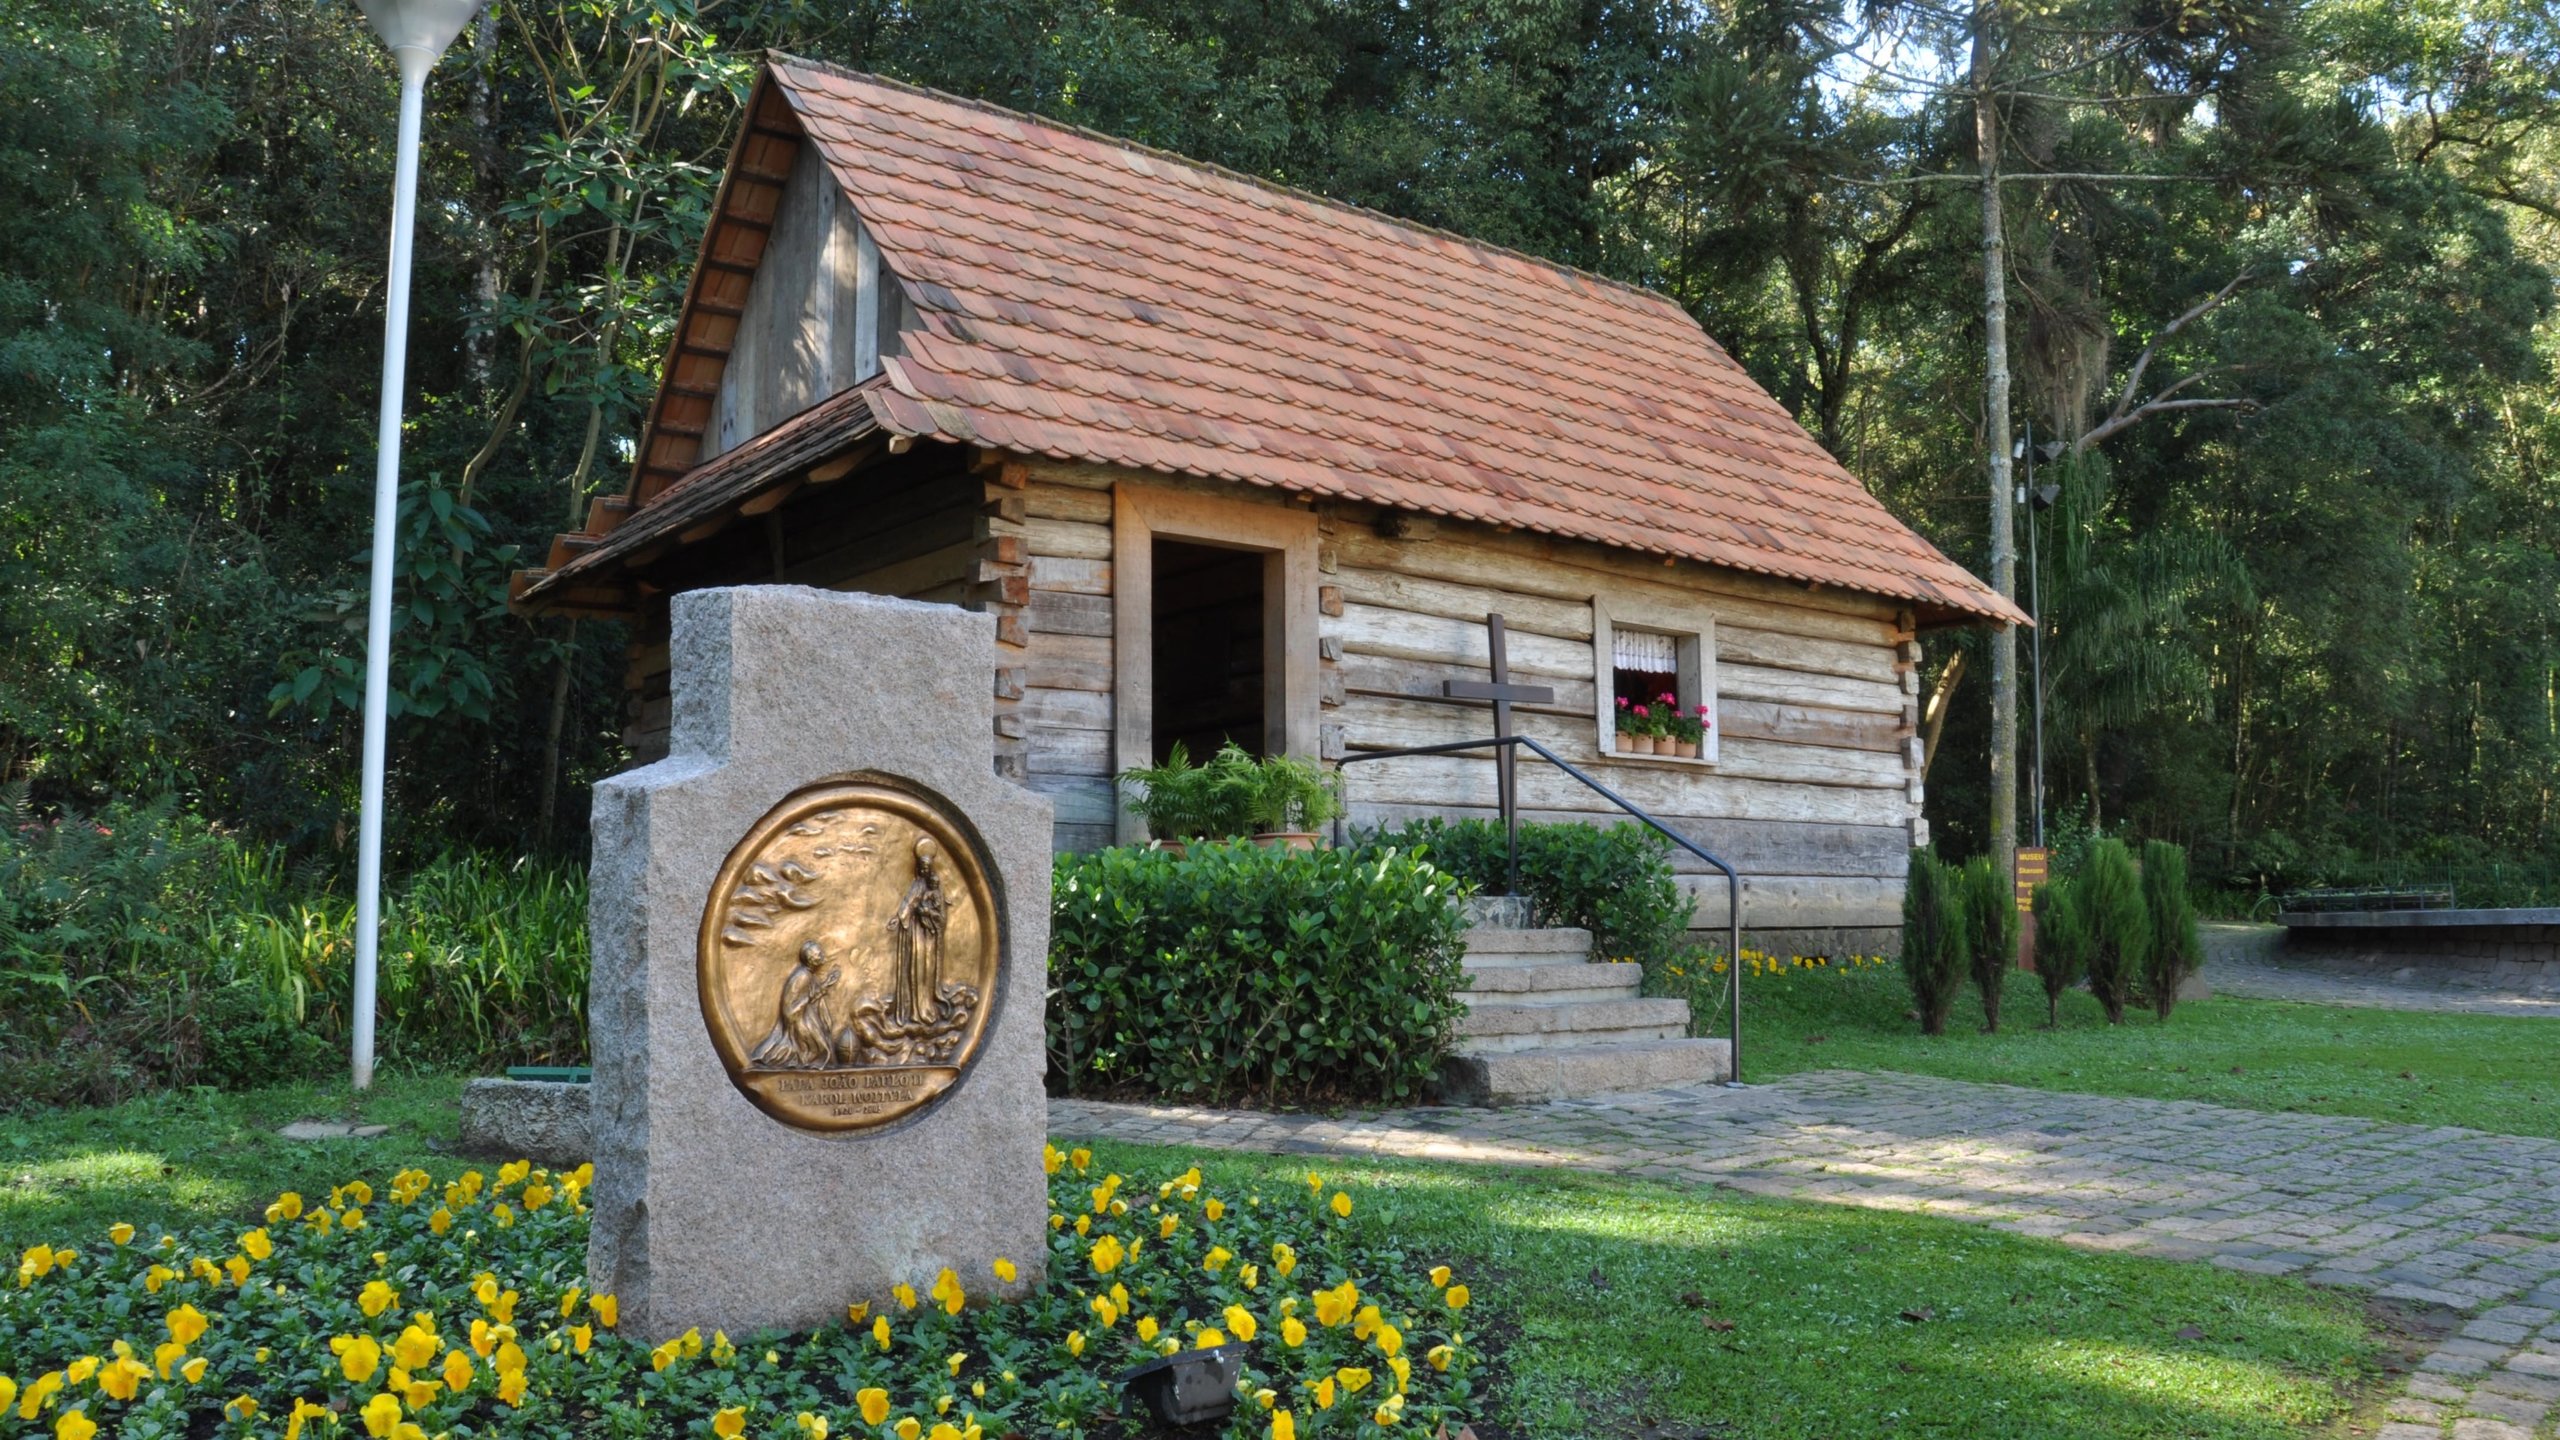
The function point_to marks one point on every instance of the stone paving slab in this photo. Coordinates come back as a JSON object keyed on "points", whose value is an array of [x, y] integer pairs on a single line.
{"points": [[2429, 1214]]}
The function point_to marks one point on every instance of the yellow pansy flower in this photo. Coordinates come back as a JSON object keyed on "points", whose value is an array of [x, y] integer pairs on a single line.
{"points": [[1217, 1258], [1147, 1330], [812, 1425], [1324, 1393], [581, 1338], [1215, 1209], [8, 1391], [34, 1265], [240, 1407], [538, 1195], [441, 1221], [1404, 1372], [238, 1266], [908, 1427], [954, 1361], [1342, 1204], [608, 1310], [1283, 1261], [904, 1294], [1166, 1226], [156, 1277], [414, 1347], [1389, 1340], [874, 1405], [1075, 1342], [257, 1244], [1354, 1378], [193, 1370], [74, 1425], [1106, 1254], [880, 1330], [1051, 1161], [1293, 1332], [381, 1415], [358, 1356], [121, 1233], [1284, 1426], [946, 1288], [457, 1370], [729, 1423], [186, 1324], [511, 1388], [1249, 1276], [79, 1371], [1439, 1356], [1457, 1297], [375, 1298], [1390, 1410], [39, 1393], [1241, 1321], [1005, 1270], [1439, 1277], [122, 1377], [1209, 1339], [1335, 1305], [288, 1206]]}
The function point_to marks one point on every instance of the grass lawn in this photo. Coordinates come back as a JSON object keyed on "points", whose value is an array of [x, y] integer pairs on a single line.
{"points": [[1619, 1306], [2487, 1072]]}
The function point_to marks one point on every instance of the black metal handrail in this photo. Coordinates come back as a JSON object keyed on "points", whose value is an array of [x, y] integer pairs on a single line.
{"points": [[1511, 826]]}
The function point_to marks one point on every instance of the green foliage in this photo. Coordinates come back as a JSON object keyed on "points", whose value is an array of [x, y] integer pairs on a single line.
{"points": [[1238, 972], [1234, 794], [141, 949], [1615, 881], [2175, 950], [2062, 942], [2108, 896], [325, 1324], [1991, 923], [1937, 938]]}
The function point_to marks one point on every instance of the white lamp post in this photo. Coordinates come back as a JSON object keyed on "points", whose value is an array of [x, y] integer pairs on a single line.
{"points": [[417, 32]]}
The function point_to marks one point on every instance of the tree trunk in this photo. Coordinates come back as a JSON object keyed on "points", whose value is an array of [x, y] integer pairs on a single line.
{"points": [[551, 741], [1995, 341]]}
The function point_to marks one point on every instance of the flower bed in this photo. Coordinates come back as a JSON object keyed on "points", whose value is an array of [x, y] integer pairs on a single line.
{"points": [[432, 1308]]}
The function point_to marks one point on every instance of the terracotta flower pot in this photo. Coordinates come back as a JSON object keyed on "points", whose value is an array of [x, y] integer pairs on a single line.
{"points": [[1626, 743], [1688, 749], [1662, 744]]}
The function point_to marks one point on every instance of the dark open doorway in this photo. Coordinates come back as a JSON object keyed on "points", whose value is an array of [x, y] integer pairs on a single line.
{"points": [[1208, 621]]}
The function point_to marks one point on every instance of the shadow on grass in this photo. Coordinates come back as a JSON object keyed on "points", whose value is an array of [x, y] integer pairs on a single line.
{"points": [[1615, 1299]]}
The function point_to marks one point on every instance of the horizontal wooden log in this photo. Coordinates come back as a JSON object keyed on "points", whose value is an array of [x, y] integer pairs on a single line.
{"points": [[1754, 847], [1068, 662], [1075, 577], [1564, 571], [1521, 614], [1066, 539], [1744, 644], [1404, 635], [1058, 502], [1440, 780], [1080, 799], [937, 569], [1069, 752], [1797, 902], [1377, 723], [1796, 687], [1066, 709], [1054, 612], [1385, 675], [1810, 725]]}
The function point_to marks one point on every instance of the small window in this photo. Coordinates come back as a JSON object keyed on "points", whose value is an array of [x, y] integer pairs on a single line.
{"points": [[1641, 660]]}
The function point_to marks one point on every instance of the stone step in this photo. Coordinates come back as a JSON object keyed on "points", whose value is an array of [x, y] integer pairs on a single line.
{"points": [[1487, 945], [1567, 1072], [1551, 984], [1494, 1024]]}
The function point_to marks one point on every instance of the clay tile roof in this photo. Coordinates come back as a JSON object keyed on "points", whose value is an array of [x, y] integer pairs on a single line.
{"points": [[1087, 299]]}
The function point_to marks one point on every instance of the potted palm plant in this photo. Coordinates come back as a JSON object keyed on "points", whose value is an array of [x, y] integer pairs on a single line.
{"points": [[1292, 801], [1171, 798]]}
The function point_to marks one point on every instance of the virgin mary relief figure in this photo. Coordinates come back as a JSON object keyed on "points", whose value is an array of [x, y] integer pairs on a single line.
{"points": [[918, 930]]}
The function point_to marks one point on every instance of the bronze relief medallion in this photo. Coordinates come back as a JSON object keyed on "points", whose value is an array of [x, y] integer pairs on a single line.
{"points": [[849, 957]]}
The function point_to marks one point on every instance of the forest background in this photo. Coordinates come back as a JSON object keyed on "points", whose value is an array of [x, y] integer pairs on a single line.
{"points": [[2281, 295]]}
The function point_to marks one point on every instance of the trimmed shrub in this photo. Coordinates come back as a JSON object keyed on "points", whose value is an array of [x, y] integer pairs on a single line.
{"points": [[2062, 943], [2176, 950], [1237, 972], [1991, 917], [2109, 894], [1612, 880], [1937, 940]]}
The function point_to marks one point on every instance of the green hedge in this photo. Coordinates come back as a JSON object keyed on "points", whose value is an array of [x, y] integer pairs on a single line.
{"points": [[1241, 972], [1612, 880]]}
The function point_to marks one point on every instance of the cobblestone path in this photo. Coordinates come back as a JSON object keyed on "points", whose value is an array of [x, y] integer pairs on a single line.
{"points": [[2436, 1215]]}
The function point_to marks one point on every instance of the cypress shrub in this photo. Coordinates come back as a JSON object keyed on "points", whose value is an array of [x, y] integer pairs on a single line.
{"points": [[2119, 927], [2176, 951], [2062, 943], [1991, 914], [1936, 939]]}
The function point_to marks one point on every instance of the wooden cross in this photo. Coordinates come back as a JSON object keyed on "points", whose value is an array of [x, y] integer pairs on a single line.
{"points": [[1503, 695]]}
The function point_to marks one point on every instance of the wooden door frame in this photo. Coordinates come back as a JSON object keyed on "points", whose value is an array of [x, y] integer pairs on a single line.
{"points": [[1285, 536]]}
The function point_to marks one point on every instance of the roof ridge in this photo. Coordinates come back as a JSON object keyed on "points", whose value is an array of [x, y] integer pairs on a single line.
{"points": [[1323, 202]]}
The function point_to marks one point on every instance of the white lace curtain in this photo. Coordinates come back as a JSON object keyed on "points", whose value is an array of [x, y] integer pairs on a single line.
{"points": [[1638, 650]]}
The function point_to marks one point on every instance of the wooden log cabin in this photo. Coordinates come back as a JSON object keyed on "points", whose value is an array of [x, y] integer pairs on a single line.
{"points": [[1229, 460]]}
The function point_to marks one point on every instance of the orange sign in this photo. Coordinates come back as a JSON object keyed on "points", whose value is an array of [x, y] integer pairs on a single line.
{"points": [[2031, 873]]}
